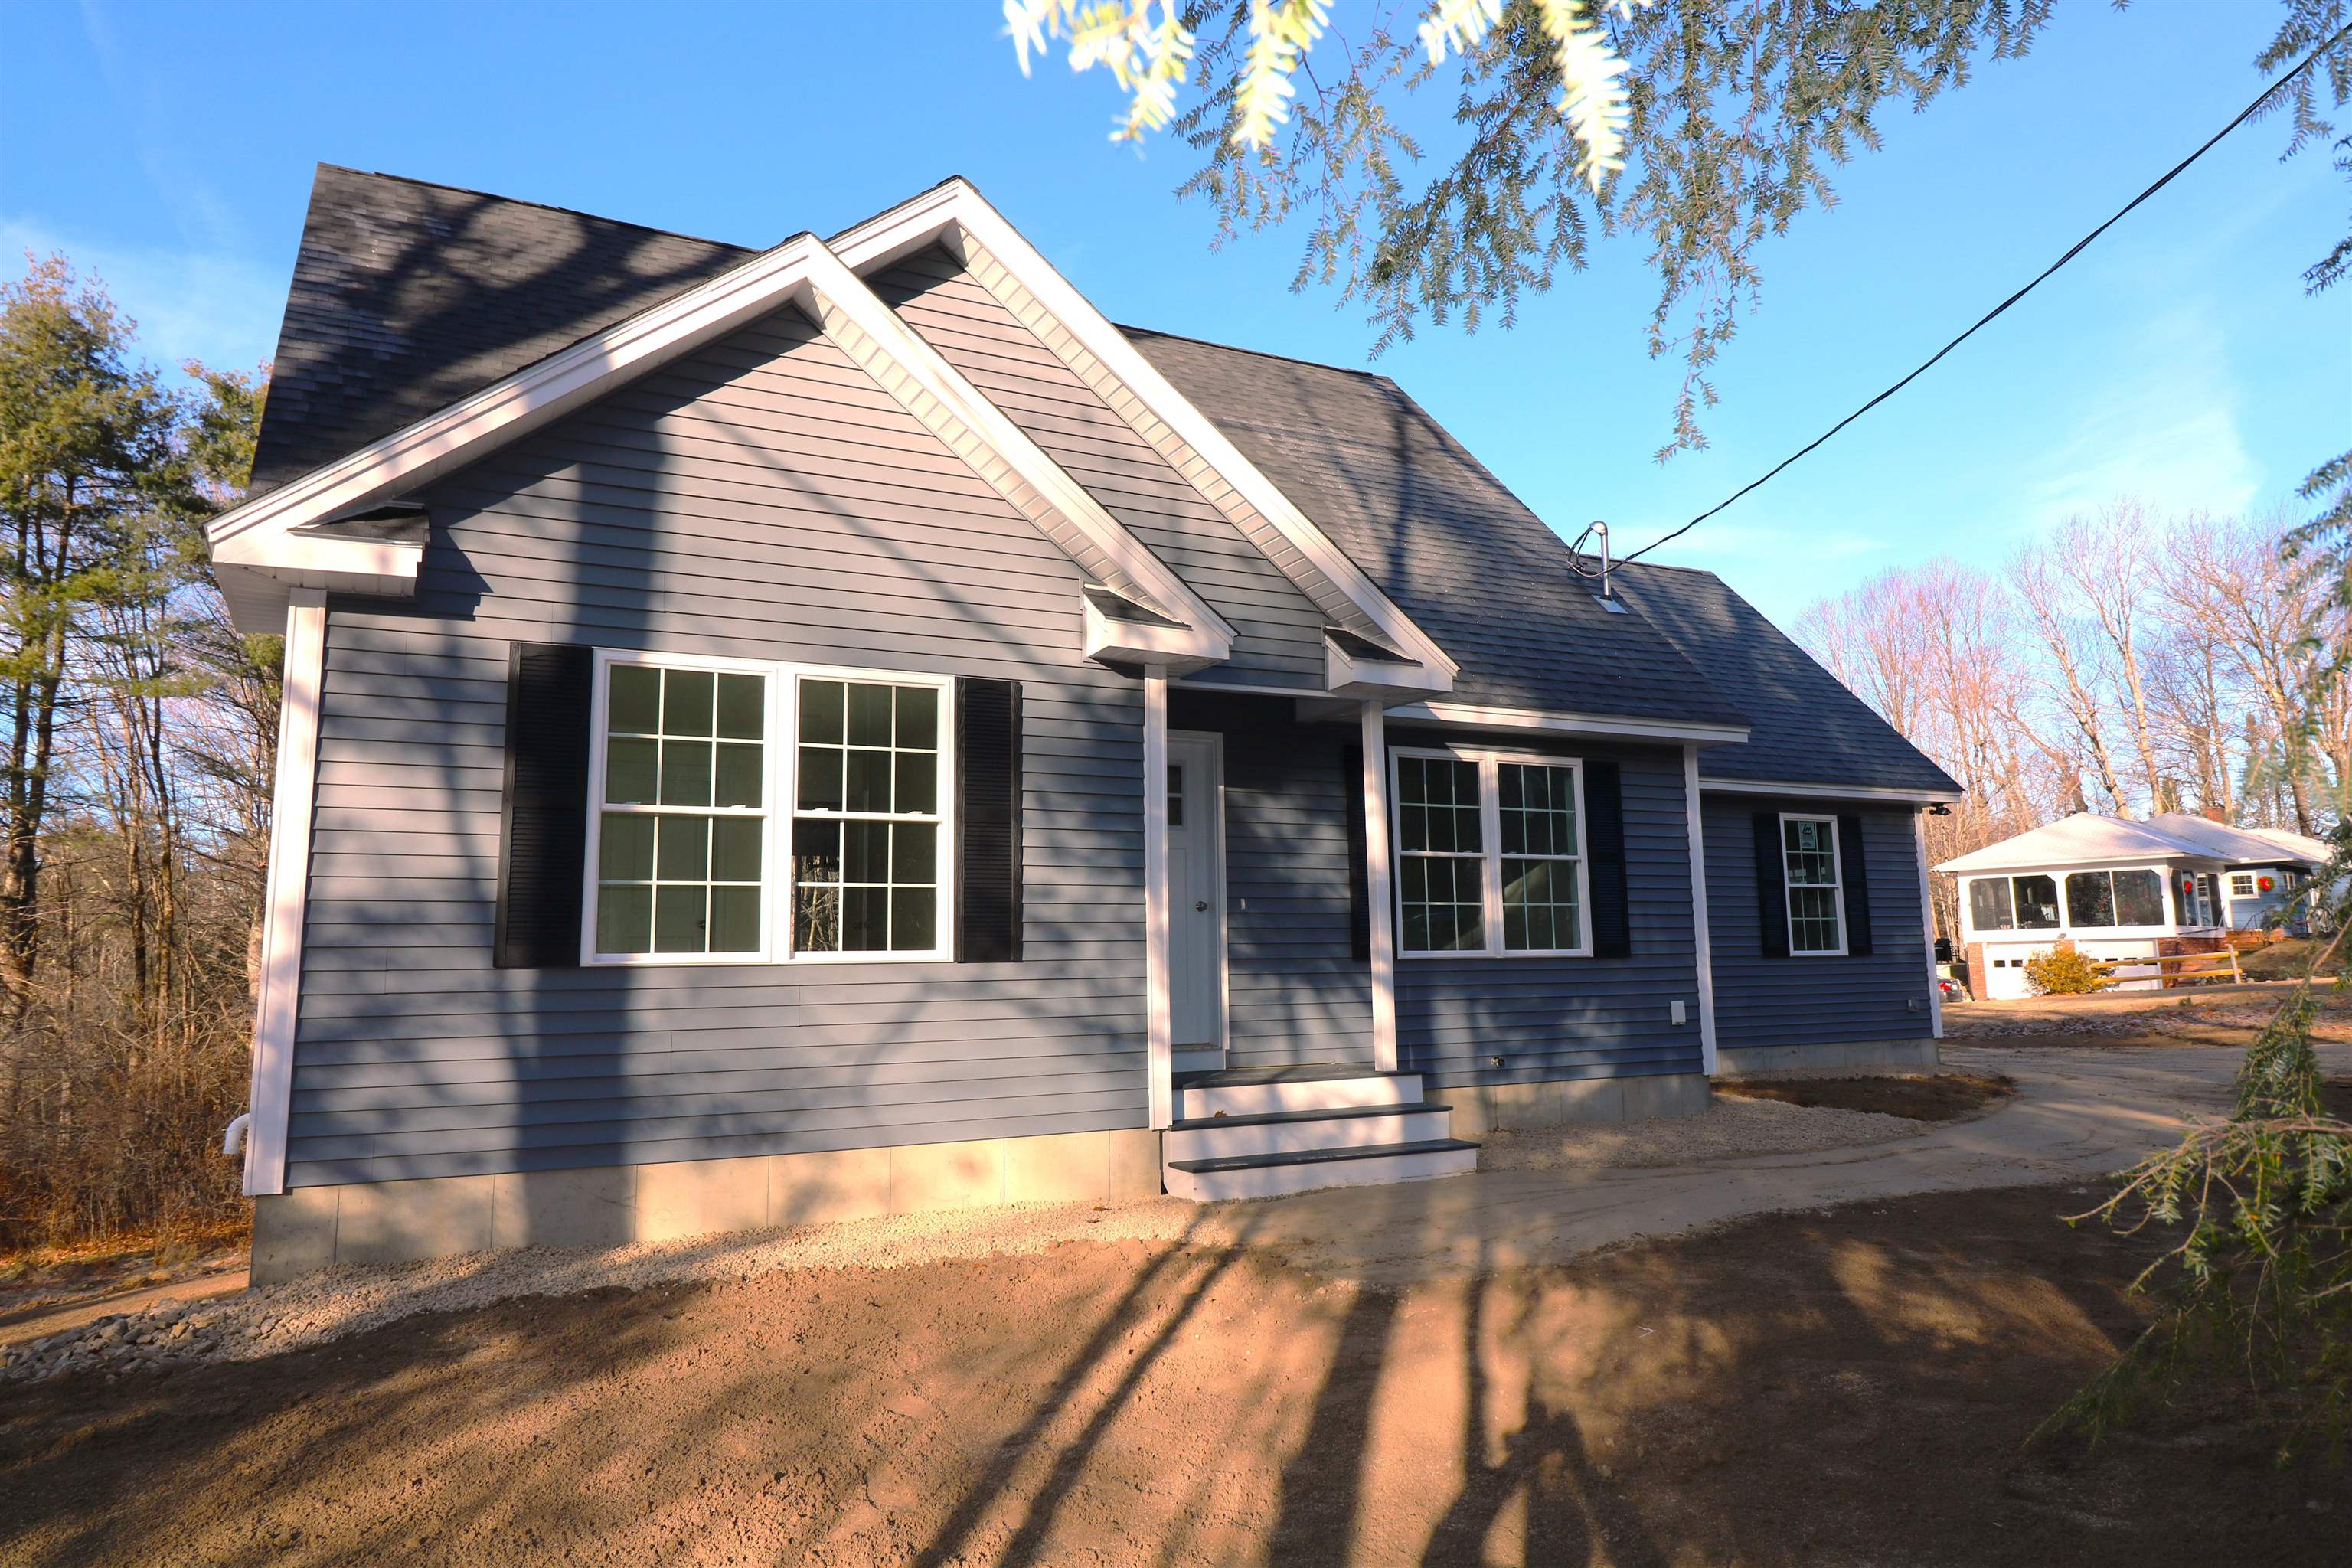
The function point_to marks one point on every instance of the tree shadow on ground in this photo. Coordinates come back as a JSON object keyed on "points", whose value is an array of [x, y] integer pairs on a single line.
{"points": [[1851, 1384]]}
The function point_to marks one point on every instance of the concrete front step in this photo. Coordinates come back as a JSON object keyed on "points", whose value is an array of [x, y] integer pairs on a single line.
{"points": [[1299, 1131], [1271, 1175], [1261, 1091]]}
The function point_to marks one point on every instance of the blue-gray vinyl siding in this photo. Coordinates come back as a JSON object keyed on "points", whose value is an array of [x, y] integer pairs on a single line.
{"points": [[1278, 631], [1296, 993], [1573, 1018], [1761, 1001], [763, 499]]}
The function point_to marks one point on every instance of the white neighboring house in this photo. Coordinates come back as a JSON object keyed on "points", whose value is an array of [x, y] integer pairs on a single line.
{"points": [[2118, 889]]}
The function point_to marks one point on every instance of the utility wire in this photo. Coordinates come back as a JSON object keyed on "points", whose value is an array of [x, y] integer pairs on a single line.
{"points": [[2073, 251]]}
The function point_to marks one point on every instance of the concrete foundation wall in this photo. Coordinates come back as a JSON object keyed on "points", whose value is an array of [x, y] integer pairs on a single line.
{"points": [[398, 1222], [1481, 1109], [1834, 1057]]}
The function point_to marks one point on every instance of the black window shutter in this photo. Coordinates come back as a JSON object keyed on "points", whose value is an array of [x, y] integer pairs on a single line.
{"points": [[1771, 886], [1856, 880], [1359, 885], [543, 826], [1605, 841], [988, 821]]}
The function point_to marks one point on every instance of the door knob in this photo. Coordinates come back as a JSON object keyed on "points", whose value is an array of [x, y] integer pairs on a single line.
{"points": [[1201, 905]]}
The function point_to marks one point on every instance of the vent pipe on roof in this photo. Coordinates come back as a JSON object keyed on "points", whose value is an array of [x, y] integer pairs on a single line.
{"points": [[1598, 530]]}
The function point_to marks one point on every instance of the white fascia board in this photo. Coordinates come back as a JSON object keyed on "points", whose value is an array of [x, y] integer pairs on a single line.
{"points": [[979, 432], [1831, 792], [1961, 868], [1344, 675], [958, 214], [260, 535], [1469, 716], [1167, 649], [257, 532]]}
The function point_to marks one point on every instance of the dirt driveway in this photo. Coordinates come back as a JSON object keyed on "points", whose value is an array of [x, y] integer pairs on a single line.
{"points": [[1844, 1388]]}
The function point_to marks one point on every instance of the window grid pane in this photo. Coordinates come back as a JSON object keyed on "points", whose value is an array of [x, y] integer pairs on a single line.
{"points": [[680, 836], [1810, 869], [1535, 811], [865, 849]]}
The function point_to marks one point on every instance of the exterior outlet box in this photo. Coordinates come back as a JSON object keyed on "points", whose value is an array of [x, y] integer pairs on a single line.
{"points": [[1676, 1009]]}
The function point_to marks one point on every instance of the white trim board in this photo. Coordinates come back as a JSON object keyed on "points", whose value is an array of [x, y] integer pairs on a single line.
{"points": [[261, 536], [1463, 715], [1694, 832], [1098, 354], [1830, 791], [1158, 1023], [271, 1095]]}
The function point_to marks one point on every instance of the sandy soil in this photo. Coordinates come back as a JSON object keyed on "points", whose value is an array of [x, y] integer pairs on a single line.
{"points": [[1846, 1387], [1921, 1097], [1727, 1129]]}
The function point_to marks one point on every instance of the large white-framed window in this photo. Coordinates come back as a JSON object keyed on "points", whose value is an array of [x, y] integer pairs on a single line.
{"points": [[1811, 880], [1490, 853], [749, 812]]}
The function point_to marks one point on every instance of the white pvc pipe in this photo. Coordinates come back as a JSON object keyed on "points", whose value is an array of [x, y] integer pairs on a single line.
{"points": [[233, 1141]]}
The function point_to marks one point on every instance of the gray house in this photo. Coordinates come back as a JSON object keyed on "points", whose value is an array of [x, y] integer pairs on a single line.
{"points": [[843, 729]]}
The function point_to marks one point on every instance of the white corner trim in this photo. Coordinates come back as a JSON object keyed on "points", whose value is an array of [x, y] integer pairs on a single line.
{"points": [[1378, 904], [1001, 452], [1928, 927], [1009, 266], [1829, 792], [1694, 825], [271, 1095], [1470, 716], [1160, 1027]]}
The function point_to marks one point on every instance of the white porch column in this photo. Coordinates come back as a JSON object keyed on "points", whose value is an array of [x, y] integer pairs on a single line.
{"points": [[1695, 827], [1159, 1028], [1376, 898], [1928, 925], [270, 1097]]}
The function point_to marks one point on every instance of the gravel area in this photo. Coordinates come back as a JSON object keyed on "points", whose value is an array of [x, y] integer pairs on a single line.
{"points": [[338, 1302], [1727, 1129]]}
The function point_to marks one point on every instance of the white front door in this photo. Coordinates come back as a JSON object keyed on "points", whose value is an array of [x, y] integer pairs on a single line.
{"points": [[1196, 914]]}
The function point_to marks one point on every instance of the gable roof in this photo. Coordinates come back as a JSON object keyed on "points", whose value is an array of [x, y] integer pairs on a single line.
{"points": [[2088, 839], [1432, 527], [2241, 846], [409, 296]]}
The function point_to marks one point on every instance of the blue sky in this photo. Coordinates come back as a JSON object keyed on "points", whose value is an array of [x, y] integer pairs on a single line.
{"points": [[170, 149]]}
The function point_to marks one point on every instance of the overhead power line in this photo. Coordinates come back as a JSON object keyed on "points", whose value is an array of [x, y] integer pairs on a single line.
{"points": [[2072, 251]]}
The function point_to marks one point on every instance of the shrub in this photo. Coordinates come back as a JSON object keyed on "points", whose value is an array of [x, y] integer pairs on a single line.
{"points": [[2062, 972]]}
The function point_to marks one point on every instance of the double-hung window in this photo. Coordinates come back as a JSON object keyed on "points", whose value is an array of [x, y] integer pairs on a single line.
{"points": [[682, 824], [1489, 855], [866, 819], [1809, 857], [692, 859]]}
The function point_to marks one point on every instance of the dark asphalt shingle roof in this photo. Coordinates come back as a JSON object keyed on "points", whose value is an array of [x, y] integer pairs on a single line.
{"points": [[1441, 535], [408, 296], [1809, 727]]}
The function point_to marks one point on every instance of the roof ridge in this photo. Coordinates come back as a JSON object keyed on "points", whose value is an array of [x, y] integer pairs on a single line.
{"points": [[541, 206], [1260, 354]]}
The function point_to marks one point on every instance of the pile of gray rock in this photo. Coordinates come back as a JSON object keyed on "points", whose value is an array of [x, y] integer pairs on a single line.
{"points": [[166, 1333]]}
